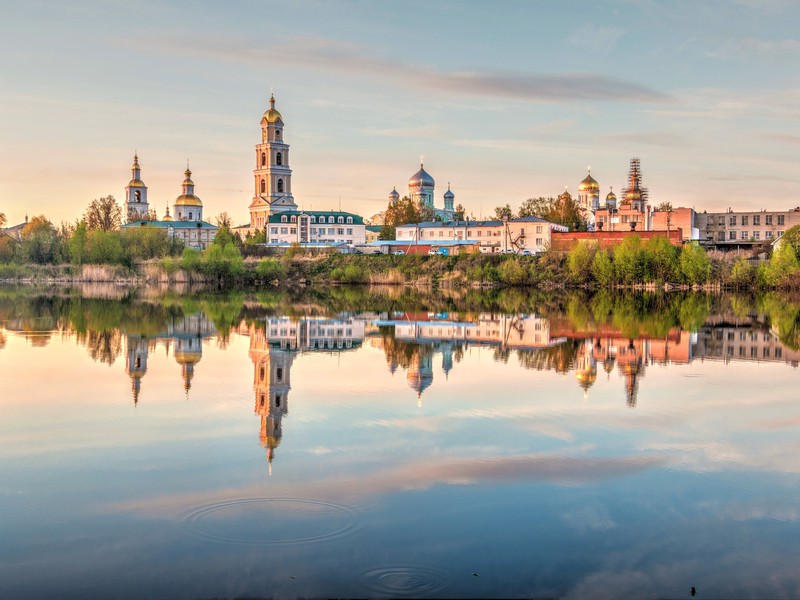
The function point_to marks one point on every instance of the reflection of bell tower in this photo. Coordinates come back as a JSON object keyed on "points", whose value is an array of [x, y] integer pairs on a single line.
{"points": [[136, 366], [188, 352], [420, 370], [586, 368]]}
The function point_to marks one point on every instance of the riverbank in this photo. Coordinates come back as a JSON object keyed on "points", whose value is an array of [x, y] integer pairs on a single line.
{"points": [[575, 270]]}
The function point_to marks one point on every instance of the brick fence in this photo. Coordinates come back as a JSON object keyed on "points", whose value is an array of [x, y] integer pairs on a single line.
{"points": [[563, 242]]}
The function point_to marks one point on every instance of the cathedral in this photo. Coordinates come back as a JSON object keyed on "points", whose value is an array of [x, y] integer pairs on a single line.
{"points": [[421, 189], [272, 175], [631, 213]]}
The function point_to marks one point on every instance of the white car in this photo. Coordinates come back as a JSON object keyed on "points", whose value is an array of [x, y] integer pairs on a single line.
{"points": [[398, 252]]}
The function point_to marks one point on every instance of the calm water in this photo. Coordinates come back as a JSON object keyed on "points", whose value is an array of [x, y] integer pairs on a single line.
{"points": [[398, 444]]}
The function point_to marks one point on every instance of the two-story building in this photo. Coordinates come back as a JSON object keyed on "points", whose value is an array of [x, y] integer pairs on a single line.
{"points": [[496, 236], [745, 228], [319, 227]]}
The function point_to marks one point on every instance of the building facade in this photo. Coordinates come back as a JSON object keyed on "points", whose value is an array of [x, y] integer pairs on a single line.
{"points": [[747, 228], [316, 227], [272, 176], [515, 235]]}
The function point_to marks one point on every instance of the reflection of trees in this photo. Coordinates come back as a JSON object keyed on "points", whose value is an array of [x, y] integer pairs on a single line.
{"points": [[103, 346], [554, 358], [784, 318], [398, 353]]}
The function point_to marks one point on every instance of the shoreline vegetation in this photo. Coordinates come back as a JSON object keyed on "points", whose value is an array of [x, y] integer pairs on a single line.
{"points": [[144, 256]]}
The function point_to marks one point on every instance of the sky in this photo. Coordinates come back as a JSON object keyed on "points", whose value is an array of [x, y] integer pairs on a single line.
{"points": [[504, 100]]}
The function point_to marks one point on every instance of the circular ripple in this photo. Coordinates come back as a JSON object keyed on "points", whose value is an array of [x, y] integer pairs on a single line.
{"points": [[270, 521], [405, 580]]}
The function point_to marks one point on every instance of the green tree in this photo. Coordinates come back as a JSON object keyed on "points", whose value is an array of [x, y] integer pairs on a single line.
{"points": [[603, 268], [503, 212], [664, 207], [77, 244], [224, 237], [694, 263], [629, 261], [579, 261], [223, 219], [662, 259], [40, 243], [742, 274], [792, 238], [459, 213], [103, 214], [563, 210], [782, 266], [105, 247], [270, 269]]}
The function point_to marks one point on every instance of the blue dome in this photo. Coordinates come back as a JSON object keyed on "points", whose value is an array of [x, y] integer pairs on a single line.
{"points": [[393, 195], [421, 179], [448, 194]]}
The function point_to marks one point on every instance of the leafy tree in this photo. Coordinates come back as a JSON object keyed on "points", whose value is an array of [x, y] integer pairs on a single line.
{"points": [[664, 207], [629, 260], [270, 269], [459, 213], [694, 263], [224, 237], [223, 219], [144, 243], [579, 261], [563, 210], [77, 244], [40, 243], [603, 268], [103, 214], [742, 273], [3, 219], [781, 266], [402, 212], [792, 238], [662, 258], [104, 247], [503, 212]]}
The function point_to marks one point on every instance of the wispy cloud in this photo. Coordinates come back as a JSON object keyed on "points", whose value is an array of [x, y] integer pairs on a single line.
{"points": [[347, 58], [597, 37], [757, 48]]}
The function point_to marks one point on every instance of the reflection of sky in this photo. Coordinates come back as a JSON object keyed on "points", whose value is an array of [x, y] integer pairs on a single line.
{"points": [[507, 472]]}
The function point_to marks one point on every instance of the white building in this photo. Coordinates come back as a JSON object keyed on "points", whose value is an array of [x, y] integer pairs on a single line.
{"points": [[303, 227]]}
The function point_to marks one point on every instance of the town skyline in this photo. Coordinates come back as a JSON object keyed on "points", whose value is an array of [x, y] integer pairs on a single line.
{"points": [[712, 117]]}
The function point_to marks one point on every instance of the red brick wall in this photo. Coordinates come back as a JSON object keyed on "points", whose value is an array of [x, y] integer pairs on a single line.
{"points": [[563, 242]]}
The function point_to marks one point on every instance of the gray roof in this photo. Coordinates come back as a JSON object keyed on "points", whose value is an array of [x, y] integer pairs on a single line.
{"points": [[173, 224]]}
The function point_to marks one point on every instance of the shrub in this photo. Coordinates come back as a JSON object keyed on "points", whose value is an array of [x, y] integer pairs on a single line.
{"points": [[603, 268], [694, 263], [579, 261], [270, 269], [742, 274]]}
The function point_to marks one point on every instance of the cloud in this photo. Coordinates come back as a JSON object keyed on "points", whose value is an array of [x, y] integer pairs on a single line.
{"points": [[599, 38], [347, 58], [756, 47]]}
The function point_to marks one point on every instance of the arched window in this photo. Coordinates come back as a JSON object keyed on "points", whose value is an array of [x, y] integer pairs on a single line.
{"points": [[280, 186], [279, 159], [330, 219], [349, 220], [294, 219], [278, 133], [137, 195], [263, 186], [190, 216], [341, 220], [263, 158], [313, 219], [283, 219]]}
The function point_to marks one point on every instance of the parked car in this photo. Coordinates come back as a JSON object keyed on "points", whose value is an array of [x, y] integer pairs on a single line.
{"points": [[435, 252], [526, 252], [398, 252]]}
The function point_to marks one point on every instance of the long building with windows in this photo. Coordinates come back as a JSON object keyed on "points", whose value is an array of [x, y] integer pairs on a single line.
{"points": [[513, 235], [316, 227], [748, 228]]}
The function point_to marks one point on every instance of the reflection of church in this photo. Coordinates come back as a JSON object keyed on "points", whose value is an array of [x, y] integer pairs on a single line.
{"points": [[273, 350], [185, 334]]}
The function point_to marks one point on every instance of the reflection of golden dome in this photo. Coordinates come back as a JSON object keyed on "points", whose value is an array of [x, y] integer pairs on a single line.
{"points": [[586, 378], [190, 357], [271, 441], [589, 184]]}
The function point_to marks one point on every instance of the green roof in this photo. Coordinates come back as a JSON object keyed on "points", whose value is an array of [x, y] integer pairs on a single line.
{"points": [[357, 220]]}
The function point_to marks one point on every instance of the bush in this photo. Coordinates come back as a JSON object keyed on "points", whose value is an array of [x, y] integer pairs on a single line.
{"points": [[270, 269], [694, 264], [603, 268], [579, 261], [105, 247], [629, 260], [511, 272], [742, 274]]}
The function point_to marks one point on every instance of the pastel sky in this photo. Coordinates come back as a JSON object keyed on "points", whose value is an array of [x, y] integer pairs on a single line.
{"points": [[506, 100]]}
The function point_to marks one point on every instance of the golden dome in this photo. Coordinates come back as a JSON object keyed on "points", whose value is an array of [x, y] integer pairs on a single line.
{"points": [[611, 195], [167, 217], [272, 115], [188, 200], [589, 184], [136, 183]]}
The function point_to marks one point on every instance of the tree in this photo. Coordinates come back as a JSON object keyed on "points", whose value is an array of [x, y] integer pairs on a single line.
{"points": [[563, 210], [103, 214], [529, 207], [39, 241], [663, 258], [77, 244], [3, 219], [629, 260], [459, 212], [400, 212], [694, 263], [603, 268], [223, 219], [792, 238], [580, 260], [664, 207], [224, 236], [503, 212]]}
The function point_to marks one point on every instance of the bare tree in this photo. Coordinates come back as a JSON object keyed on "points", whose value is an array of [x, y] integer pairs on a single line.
{"points": [[2, 220], [224, 220], [103, 214]]}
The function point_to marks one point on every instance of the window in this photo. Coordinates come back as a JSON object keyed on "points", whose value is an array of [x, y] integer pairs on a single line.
{"points": [[538, 229], [313, 219], [263, 158], [293, 230], [284, 230], [279, 374], [441, 233], [767, 219], [137, 195], [721, 236], [780, 233], [778, 352], [279, 159], [768, 235], [280, 186], [780, 219], [731, 235], [732, 220], [756, 219], [340, 220], [293, 219], [744, 235], [190, 218], [330, 219], [263, 186], [721, 221], [350, 220], [274, 230], [349, 231], [756, 235], [331, 230], [539, 242], [283, 218], [745, 220], [340, 231], [313, 231]]}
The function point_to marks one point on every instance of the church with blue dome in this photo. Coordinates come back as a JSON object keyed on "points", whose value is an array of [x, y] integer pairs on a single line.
{"points": [[421, 189]]}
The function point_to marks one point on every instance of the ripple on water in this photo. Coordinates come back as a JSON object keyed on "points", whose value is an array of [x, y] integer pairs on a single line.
{"points": [[270, 521], [405, 580]]}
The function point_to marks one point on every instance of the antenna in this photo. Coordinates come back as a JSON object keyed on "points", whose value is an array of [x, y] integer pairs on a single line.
{"points": [[340, 203], [421, 159]]}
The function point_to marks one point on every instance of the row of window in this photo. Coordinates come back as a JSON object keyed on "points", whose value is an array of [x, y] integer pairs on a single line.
{"points": [[744, 220], [765, 352], [331, 219], [278, 159], [746, 235], [477, 232], [264, 186], [331, 230]]}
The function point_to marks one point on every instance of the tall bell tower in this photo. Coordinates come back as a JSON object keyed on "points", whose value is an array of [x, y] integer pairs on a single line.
{"points": [[136, 206], [272, 175]]}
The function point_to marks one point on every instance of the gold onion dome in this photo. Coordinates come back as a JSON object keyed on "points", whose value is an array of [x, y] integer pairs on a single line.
{"points": [[589, 184], [188, 200], [272, 115], [136, 183], [611, 195]]}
